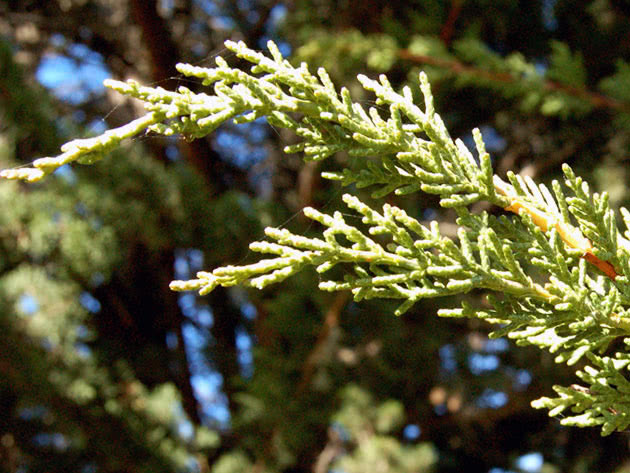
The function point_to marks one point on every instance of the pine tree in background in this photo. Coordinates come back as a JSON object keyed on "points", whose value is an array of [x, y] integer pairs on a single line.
{"points": [[334, 384]]}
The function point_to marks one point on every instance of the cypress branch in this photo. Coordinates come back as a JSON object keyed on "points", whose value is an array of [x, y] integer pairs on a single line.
{"points": [[575, 313]]}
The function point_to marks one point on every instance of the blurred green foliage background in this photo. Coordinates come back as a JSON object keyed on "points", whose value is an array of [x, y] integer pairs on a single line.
{"points": [[103, 369]]}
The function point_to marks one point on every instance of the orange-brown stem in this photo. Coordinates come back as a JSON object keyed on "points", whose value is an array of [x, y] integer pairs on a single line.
{"points": [[571, 235]]}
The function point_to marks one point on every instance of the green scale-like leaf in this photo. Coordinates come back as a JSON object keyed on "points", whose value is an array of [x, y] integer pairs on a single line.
{"points": [[534, 264]]}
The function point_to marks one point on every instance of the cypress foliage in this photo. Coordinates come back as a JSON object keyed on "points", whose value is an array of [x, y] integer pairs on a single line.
{"points": [[555, 266]]}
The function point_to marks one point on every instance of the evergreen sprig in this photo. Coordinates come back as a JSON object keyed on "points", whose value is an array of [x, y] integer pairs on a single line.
{"points": [[557, 272]]}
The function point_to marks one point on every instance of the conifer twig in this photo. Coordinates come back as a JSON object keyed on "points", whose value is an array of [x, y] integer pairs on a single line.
{"points": [[573, 311], [596, 99]]}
